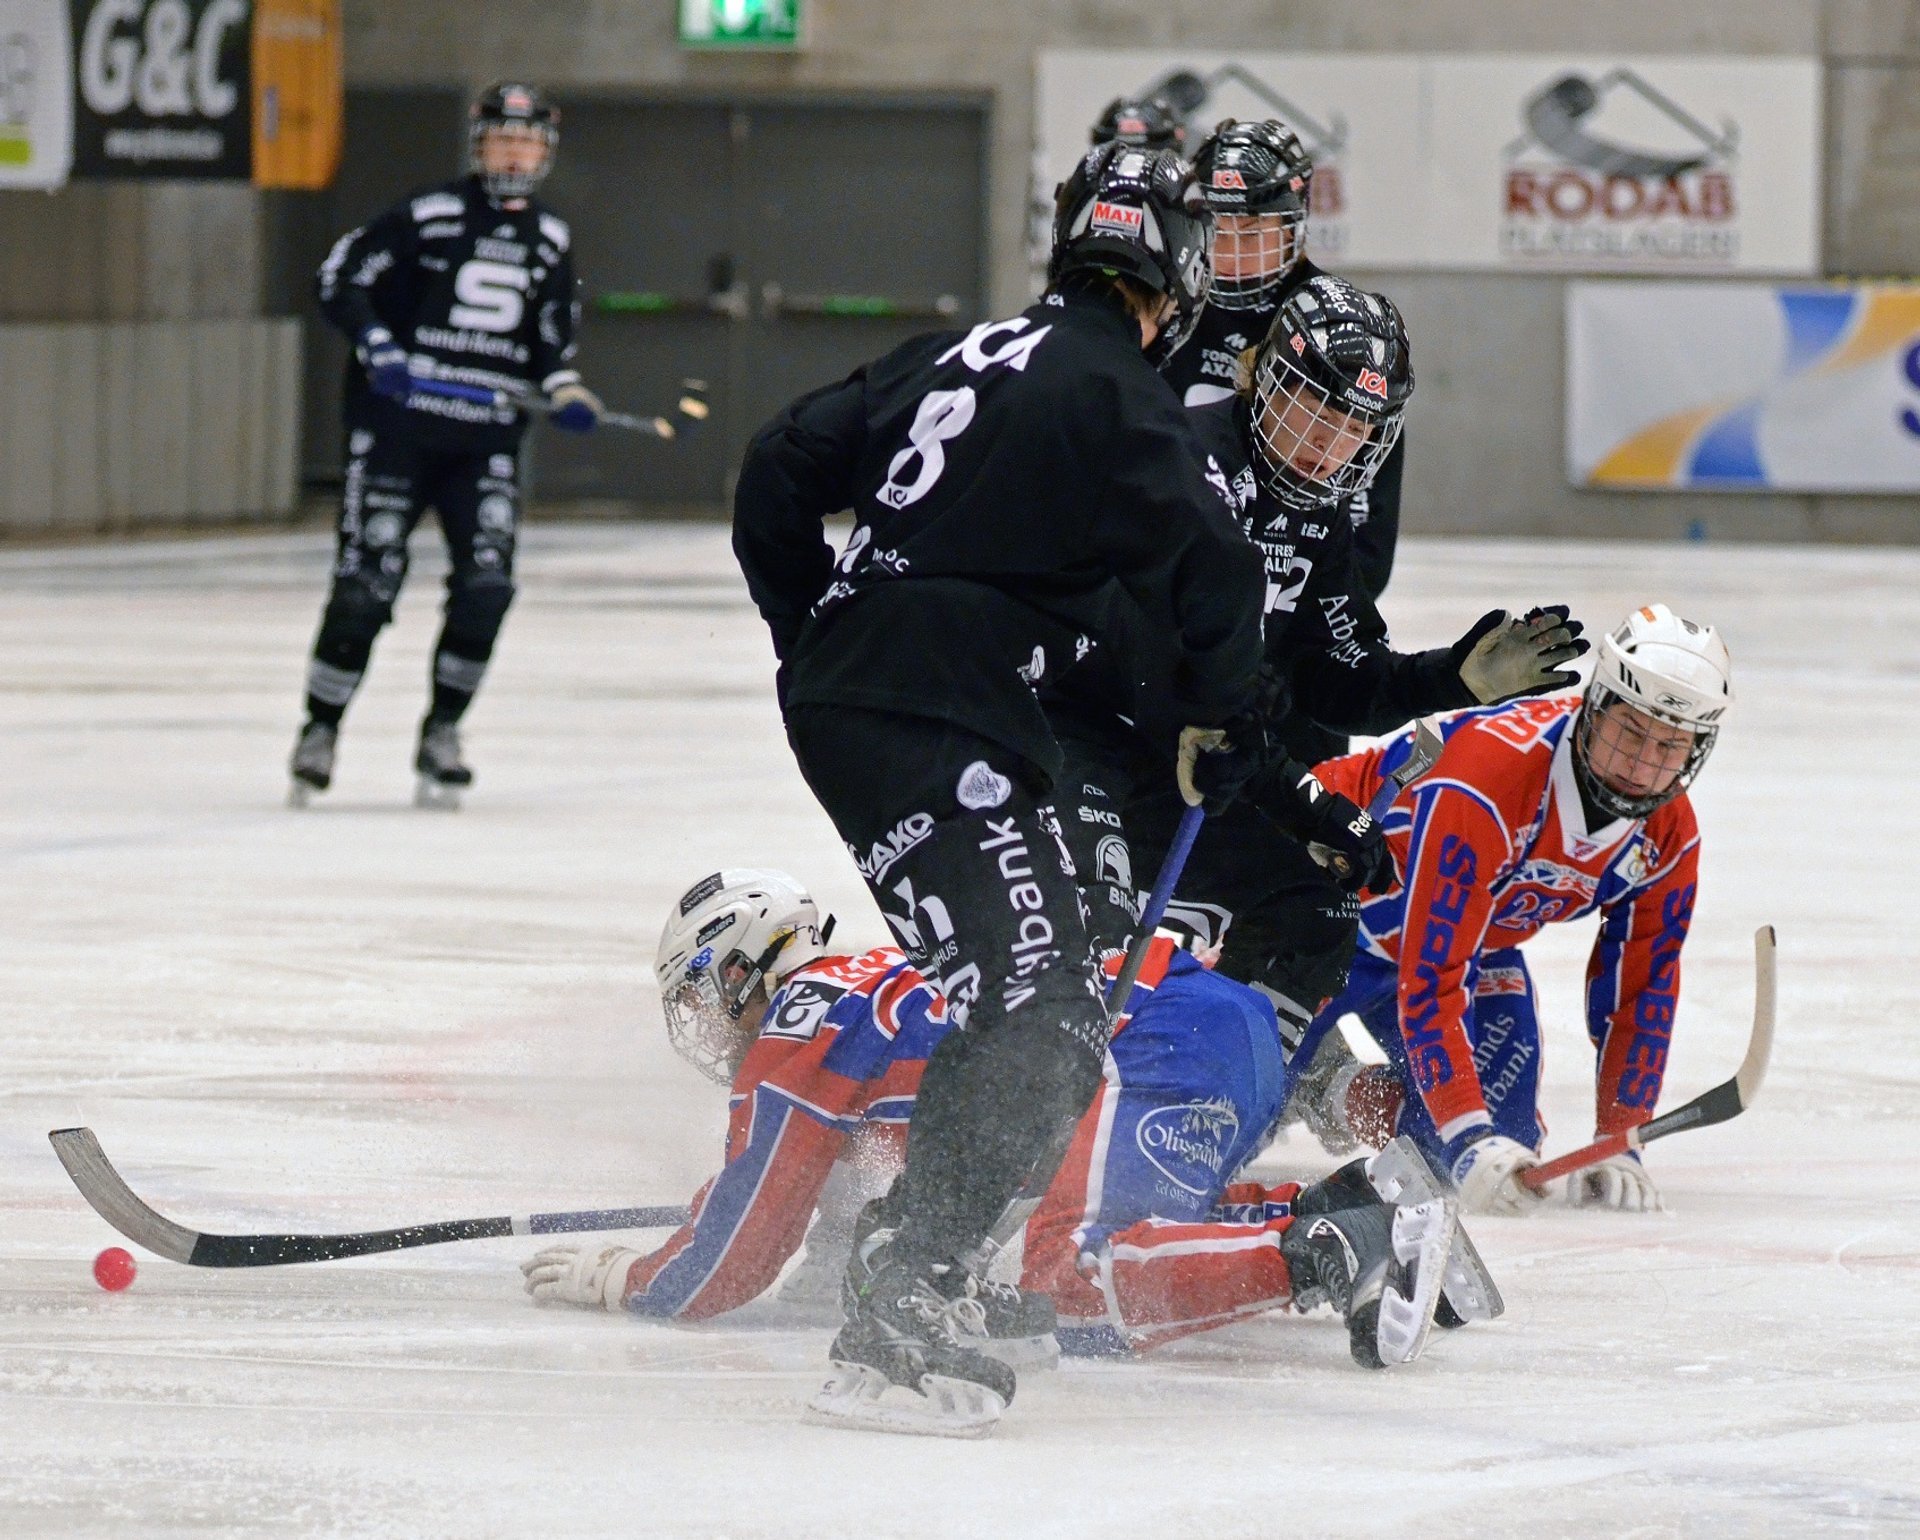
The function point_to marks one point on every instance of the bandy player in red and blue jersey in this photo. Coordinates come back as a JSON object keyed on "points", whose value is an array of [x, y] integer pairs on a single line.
{"points": [[1537, 813], [1134, 1250], [823, 1054]]}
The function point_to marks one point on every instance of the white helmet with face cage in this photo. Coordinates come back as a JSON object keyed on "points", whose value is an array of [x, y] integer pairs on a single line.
{"points": [[1674, 670], [730, 934]]}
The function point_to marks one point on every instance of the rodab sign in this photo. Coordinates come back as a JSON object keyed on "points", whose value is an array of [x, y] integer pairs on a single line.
{"points": [[1625, 164], [1518, 162]]}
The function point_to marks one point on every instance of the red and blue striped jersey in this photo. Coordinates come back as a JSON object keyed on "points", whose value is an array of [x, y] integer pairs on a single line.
{"points": [[832, 1075], [1492, 844]]}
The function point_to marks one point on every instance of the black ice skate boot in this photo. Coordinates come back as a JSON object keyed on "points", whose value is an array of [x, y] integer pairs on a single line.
{"points": [[1379, 1261], [897, 1365], [1002, 1320], [443, 774], [1400, 1174], [312, 762]]}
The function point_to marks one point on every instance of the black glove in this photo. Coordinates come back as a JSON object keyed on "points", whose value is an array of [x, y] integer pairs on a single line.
{"points": [[1344, 838], [1217, 762], [1502, 657]]}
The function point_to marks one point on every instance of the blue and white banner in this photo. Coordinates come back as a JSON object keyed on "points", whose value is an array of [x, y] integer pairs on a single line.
{"points": [[1744, 386]]}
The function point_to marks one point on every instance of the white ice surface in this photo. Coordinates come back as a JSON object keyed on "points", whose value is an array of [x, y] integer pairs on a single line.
{"points": [[365, 1015]]}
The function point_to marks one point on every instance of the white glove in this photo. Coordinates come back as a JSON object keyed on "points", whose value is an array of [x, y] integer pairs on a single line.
{"points": [[1487, 1172], [1618, 1182], [593, 1276]]}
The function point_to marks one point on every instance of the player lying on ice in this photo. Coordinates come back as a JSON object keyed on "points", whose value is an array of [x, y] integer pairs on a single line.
{"points": [[1538, 812], [825, 1053]]}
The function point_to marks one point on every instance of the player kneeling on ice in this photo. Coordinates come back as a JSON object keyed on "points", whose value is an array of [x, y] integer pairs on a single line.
{"points": [[1537, 812], [825, 1054]]}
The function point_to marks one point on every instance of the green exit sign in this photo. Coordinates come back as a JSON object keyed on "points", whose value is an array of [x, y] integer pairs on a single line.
{"points": [[740, 23]]}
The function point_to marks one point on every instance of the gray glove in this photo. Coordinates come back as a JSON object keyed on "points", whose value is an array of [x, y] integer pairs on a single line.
{"points": [[1504, 656]]}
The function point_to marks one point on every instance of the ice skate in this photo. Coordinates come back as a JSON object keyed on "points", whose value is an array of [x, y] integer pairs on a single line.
{"points": [[1006, 1322], [898, 1366], [1002, 1320], [312, 766], [1380, 1260], [443, 773], [1399, 1174]]}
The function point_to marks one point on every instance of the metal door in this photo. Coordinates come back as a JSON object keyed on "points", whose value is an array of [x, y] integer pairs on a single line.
{"points": [[648, 193], [766, 248]]}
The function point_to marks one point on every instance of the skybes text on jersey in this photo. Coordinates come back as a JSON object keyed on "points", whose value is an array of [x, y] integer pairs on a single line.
{"points": [[1653, 1011], [1458, 867]]}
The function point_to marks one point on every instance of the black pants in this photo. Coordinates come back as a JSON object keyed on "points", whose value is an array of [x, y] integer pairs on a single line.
{"points": [[390, 483], [958, 841], [1287, 928]]}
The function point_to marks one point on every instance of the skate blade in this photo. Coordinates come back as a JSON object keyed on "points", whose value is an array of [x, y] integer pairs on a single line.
{"points": [[1422, 1236], [1400, 1174], [300, 794], [1470, 1288], [862, 1398], [1042, 1352], [438, 795]]}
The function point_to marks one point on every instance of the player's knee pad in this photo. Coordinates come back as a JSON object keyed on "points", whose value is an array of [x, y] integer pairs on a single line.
{"points": [[356, 610], [476, 606], [1053, 1045]]}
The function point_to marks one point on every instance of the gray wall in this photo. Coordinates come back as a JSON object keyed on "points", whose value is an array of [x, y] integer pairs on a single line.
{"points": [[142, 379], [1486, 430]]}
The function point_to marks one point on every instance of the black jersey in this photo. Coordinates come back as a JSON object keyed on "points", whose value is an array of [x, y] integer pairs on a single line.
{"points": [[1206, 369], [1327, 649], [482, 288], [1012, 488]]}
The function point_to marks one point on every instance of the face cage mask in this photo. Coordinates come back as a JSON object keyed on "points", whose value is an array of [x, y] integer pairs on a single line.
{"points": [[510, 184], [1620, 804], [703, 1014], [1276, 249], [1281, 390]]}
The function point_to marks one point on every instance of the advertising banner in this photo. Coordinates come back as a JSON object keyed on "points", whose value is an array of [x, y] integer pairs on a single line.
{"points": [[299, 105], [36, 108], [1509, 162], [1358, 116], [1537, 163], [162, 88], [1744, 386]]}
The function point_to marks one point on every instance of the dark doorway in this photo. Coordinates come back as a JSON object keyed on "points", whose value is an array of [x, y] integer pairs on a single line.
{"points": [[766, 248]]}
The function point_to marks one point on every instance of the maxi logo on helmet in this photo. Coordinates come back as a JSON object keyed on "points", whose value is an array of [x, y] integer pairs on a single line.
{"points": [[1117, 216]]}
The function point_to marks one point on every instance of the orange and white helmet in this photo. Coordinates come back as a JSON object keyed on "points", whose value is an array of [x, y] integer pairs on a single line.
{"points": [[730, 934], [1676, 671]]}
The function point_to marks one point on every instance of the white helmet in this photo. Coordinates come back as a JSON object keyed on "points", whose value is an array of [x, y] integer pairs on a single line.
{"points": [[1673, 670], [729, 933]]}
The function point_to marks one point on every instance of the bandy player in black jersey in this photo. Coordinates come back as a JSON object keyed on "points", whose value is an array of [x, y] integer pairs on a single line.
{"points": [[1014, 489], [469, 284], [1258, 180]]}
